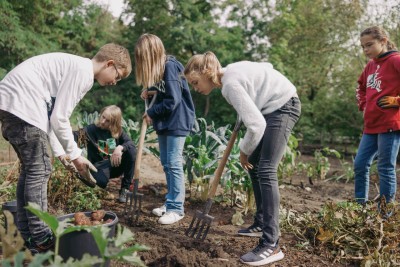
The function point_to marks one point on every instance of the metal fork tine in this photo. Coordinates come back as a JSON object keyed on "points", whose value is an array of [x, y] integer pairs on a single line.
{"points": [[196, 227], [205, 232], [200, 230], [188, 231]]}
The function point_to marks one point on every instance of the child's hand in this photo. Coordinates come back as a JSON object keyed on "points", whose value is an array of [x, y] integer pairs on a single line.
{"points": [[389, 102], [244, 161], [145, 94], [116, 156]]}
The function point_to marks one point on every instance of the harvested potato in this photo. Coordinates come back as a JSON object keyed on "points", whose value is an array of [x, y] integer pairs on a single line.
{"points": [[84, 221], [79, 216], [98, 215]]}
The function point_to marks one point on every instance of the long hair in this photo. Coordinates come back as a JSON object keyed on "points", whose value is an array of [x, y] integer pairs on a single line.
{"points": [[379, 33], [206, 64], [150, 59], [119, 54], [114, 115]]}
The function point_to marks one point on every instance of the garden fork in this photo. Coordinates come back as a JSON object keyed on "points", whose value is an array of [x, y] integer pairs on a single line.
{"points": [[201, 222], [133, 203]]}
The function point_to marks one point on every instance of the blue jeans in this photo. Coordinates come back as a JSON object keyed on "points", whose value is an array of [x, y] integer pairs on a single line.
{"points": [[386, 147], [265, 160], [30, 144], [171, 149]]}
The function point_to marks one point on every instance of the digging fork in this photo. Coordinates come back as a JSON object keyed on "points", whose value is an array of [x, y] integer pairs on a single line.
{"points": [[201, 221], [133, 203]]}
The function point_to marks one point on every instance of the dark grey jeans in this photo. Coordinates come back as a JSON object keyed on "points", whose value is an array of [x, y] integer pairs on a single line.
{"points": [[265, 160], [30, 144]]}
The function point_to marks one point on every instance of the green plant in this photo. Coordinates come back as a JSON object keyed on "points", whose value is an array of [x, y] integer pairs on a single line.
{"points": [[320, 165], [202, 147], [68, 193], [8, 181], [79, 201], [287, 166], [110, 248], [237, 181], [346, 172], [200, 153]]}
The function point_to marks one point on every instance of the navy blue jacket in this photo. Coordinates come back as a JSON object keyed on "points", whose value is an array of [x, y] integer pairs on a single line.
{"points": [[173, 110]]}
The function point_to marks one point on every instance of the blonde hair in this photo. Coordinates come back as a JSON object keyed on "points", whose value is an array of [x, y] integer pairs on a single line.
{"points": [[206, 64], [114, 114], [150, 59], [379, 33], [119, 54]]}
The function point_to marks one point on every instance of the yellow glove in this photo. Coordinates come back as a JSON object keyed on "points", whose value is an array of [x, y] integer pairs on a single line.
{"points": [[389, 102]]}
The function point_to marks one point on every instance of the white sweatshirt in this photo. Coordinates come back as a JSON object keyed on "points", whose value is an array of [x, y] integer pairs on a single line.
{"points": [[28, 89], [255, 89]]}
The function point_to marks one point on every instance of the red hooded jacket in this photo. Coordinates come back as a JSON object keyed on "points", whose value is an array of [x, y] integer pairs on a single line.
{"points": [[381, 77]]}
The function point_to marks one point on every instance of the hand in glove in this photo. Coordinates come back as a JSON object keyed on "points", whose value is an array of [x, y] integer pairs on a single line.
{"points": [[83, 166], [64, 159], [389, 102]]}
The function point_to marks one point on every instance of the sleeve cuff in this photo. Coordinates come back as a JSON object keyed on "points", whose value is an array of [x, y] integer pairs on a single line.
{"points": [[75, 154]]}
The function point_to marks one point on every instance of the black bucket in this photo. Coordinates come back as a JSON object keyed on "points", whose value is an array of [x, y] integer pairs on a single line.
{"points": [[75, 244], [11, 206]]}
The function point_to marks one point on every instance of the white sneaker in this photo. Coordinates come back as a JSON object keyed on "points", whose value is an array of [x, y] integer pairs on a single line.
{"points": [[170, 217], [160, 211]]}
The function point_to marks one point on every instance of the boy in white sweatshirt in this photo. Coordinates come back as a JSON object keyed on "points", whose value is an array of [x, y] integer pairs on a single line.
{"points": [[37, 99]]}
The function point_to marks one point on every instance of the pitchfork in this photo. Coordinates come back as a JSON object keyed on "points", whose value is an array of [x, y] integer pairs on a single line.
{"points": [[201, 222], [134, 205]]}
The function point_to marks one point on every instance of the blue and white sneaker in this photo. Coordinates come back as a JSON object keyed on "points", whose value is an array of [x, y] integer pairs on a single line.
{"points": [[262, 254], [253, 230]]}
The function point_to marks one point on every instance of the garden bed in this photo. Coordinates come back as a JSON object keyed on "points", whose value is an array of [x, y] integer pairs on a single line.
{"points": [[222, 247]]}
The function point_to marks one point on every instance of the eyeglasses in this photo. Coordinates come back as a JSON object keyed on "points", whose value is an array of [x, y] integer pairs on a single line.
{"points": [[118, 78]]}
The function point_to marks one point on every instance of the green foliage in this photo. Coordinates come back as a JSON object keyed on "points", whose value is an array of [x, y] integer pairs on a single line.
{"points": [[287, 166], [79, 201], [8, 177], [320, 165], [200, 153], [68, 193]]}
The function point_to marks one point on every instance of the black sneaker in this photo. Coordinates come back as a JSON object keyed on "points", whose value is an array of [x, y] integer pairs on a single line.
{"points": [[122, 195], [262, 254], [46, 245], [253, 230]]}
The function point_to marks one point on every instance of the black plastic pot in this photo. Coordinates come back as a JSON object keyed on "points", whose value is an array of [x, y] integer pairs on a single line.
{"points": [[11, 206], [75, 244]]}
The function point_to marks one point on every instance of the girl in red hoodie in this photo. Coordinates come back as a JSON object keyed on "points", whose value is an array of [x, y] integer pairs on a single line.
{"points": [[378, 98]]}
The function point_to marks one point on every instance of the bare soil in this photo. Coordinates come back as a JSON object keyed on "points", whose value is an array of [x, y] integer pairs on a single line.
{"points": [[222, 247]]}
